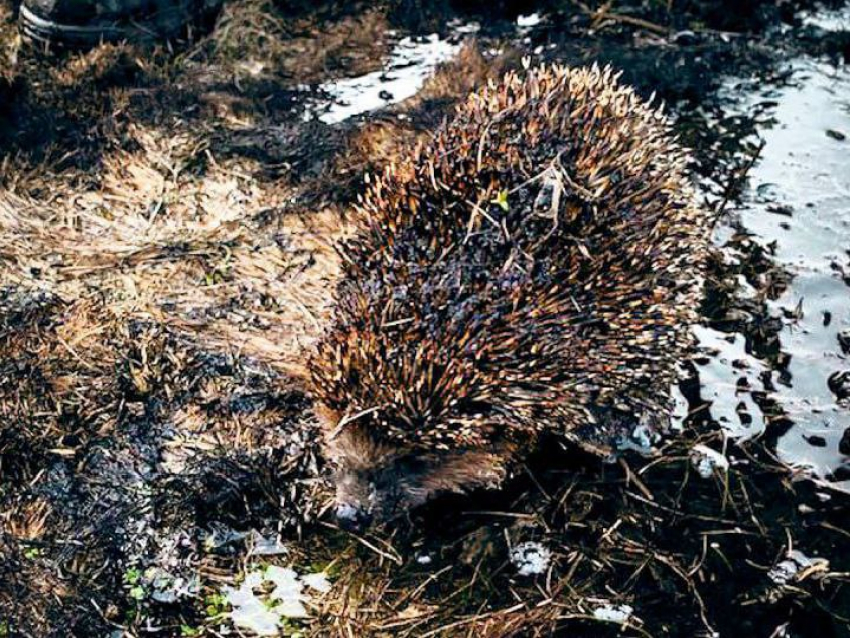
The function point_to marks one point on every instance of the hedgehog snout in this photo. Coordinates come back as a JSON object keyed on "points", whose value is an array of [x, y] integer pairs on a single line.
{"points": [[355, 499], [352, 518], [368, 498]]}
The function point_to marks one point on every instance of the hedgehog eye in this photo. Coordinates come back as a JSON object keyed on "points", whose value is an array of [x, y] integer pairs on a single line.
{"points": [[411, 465], [401, 474]]}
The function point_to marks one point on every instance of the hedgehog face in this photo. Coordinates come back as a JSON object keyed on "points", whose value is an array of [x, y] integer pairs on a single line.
{"points": [[377, 482]]}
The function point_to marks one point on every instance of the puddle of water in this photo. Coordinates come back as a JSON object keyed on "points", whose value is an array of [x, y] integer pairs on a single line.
{"points": [[726, 377], [798, 204], [411, 62], [827, 20]]}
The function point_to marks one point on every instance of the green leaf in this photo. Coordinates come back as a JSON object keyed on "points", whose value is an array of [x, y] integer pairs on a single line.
{"points": [[502, 200]]}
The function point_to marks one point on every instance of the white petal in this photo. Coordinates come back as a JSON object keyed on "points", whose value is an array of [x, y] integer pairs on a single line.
{"points": [[319, 582]]}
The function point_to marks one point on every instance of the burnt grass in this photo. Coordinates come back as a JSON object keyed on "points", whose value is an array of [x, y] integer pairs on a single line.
{"points": [[167, 218]]}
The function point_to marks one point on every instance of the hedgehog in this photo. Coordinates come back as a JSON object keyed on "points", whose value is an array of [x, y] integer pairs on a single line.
{"points": [[530, 269]]}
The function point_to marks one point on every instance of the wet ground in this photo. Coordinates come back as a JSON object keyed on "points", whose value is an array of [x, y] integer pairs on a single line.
{"points": [[796, 210], [167, 220]]}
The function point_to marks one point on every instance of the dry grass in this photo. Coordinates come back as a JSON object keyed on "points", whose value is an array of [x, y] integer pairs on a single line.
{"points": [[253, 38], [166, 255]]}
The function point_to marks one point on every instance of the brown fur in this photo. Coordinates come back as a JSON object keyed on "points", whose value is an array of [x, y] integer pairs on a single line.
{"points": [[392, 480]]}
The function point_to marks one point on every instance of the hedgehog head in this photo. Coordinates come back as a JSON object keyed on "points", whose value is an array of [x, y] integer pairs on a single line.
{"points": [[378, 479]]}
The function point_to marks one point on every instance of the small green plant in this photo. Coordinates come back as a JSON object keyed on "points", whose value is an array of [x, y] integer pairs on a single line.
{"points": [[132, 576], [31, 554], [291, 629], [4, 629], [213, 277], [221, 271], [502, 201], [216, 605], [186, 630]]}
